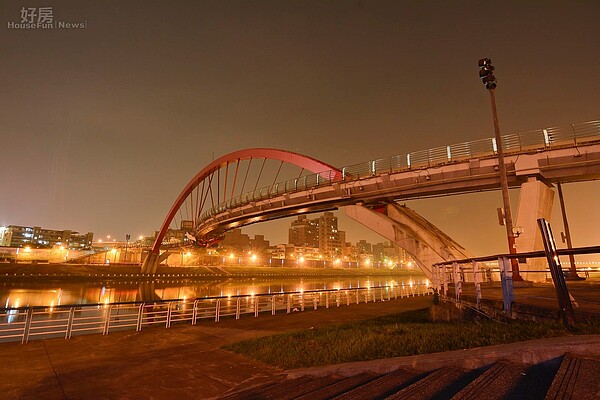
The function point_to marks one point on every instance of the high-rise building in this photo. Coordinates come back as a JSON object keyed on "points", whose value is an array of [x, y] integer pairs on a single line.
{"points": [[384, 251], [329, 236], [304, 232], [321, 233], [363, 247]]}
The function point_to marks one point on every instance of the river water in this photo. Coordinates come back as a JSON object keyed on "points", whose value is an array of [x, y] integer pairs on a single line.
{"points": [[22, 294]]}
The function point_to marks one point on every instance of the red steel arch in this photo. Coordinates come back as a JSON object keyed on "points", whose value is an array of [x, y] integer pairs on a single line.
{"points": [[308, 163]]}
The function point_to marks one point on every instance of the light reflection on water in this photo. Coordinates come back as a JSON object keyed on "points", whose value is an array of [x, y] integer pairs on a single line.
{"points": [[13, 295]]}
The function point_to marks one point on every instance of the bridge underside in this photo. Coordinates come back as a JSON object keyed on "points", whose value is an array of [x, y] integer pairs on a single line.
{"points": [[425, 243]]}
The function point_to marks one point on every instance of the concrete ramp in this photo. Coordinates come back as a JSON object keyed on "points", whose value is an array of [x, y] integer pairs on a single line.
{"points": [[404, 227]]}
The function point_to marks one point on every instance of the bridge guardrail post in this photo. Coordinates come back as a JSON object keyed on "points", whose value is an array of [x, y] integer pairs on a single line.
{"points": [[195, 312], [107, 315], [28, 319], [326, 299], [169, 312], [444, 281], [507, 284], [218, 310], [256, 306], [288, 305], [70, 323], [238, 308], [477, 281], [457, 282], [140, 317]]}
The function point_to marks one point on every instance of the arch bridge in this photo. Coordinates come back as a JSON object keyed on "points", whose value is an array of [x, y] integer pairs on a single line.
{"points": [[255, 185]]}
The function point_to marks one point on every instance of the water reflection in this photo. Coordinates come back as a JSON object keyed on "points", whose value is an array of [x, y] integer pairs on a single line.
{"points": [[18, 294]]}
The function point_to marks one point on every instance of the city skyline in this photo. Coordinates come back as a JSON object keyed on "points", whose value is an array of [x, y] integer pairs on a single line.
{"points": [[104, 125]]}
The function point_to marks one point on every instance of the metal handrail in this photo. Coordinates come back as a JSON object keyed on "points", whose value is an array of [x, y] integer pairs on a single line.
{"points": [[40, 322], [477, 270], [514, 143]]}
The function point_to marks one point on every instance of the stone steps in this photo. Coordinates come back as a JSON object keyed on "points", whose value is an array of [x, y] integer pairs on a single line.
{"points": [[382, 386], [342, 386], [494, 384], [437, 384], [567, 377], [577, 378]]}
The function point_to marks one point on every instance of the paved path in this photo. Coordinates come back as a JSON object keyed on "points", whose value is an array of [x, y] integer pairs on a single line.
{"points": [[183, 362], [187, 362]]}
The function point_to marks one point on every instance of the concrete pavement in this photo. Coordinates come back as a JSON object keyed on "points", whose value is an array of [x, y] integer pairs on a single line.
{"points": [[187, 362], [183, 362]]}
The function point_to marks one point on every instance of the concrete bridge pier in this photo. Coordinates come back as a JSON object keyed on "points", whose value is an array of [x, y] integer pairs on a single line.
{"points": [[152, 260], [404, 227], [535, 201], [147, 292]]}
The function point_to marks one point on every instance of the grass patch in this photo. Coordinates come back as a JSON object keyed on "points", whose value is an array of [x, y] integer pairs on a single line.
{"points": [[404, 334]]}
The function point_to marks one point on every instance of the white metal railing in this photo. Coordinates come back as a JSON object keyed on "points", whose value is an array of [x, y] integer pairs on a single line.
{"points": [[27, 323], [514, 143]]}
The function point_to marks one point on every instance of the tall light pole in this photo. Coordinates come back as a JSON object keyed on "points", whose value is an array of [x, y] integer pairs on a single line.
{"points": [[127, 237], [486, 73]]}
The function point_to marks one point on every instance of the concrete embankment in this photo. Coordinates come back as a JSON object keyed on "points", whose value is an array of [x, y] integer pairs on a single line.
{"points": [[12, 271]]}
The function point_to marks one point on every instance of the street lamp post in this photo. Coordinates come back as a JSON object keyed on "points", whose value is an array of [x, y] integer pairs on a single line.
{"points": [[127, 237], [486, 73]]}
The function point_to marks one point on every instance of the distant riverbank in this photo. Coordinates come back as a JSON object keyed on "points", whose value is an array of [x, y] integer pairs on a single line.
{"points": [[19, 271]]}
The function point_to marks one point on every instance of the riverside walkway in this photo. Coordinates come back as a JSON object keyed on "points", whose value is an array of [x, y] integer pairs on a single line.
{"points": [[187, 362], [184, 362]]}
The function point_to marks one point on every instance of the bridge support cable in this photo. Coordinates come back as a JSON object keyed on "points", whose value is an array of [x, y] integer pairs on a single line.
{"points": [[237, 166], [260, 174], [193, 204], [200, 201], [246, 175]]}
